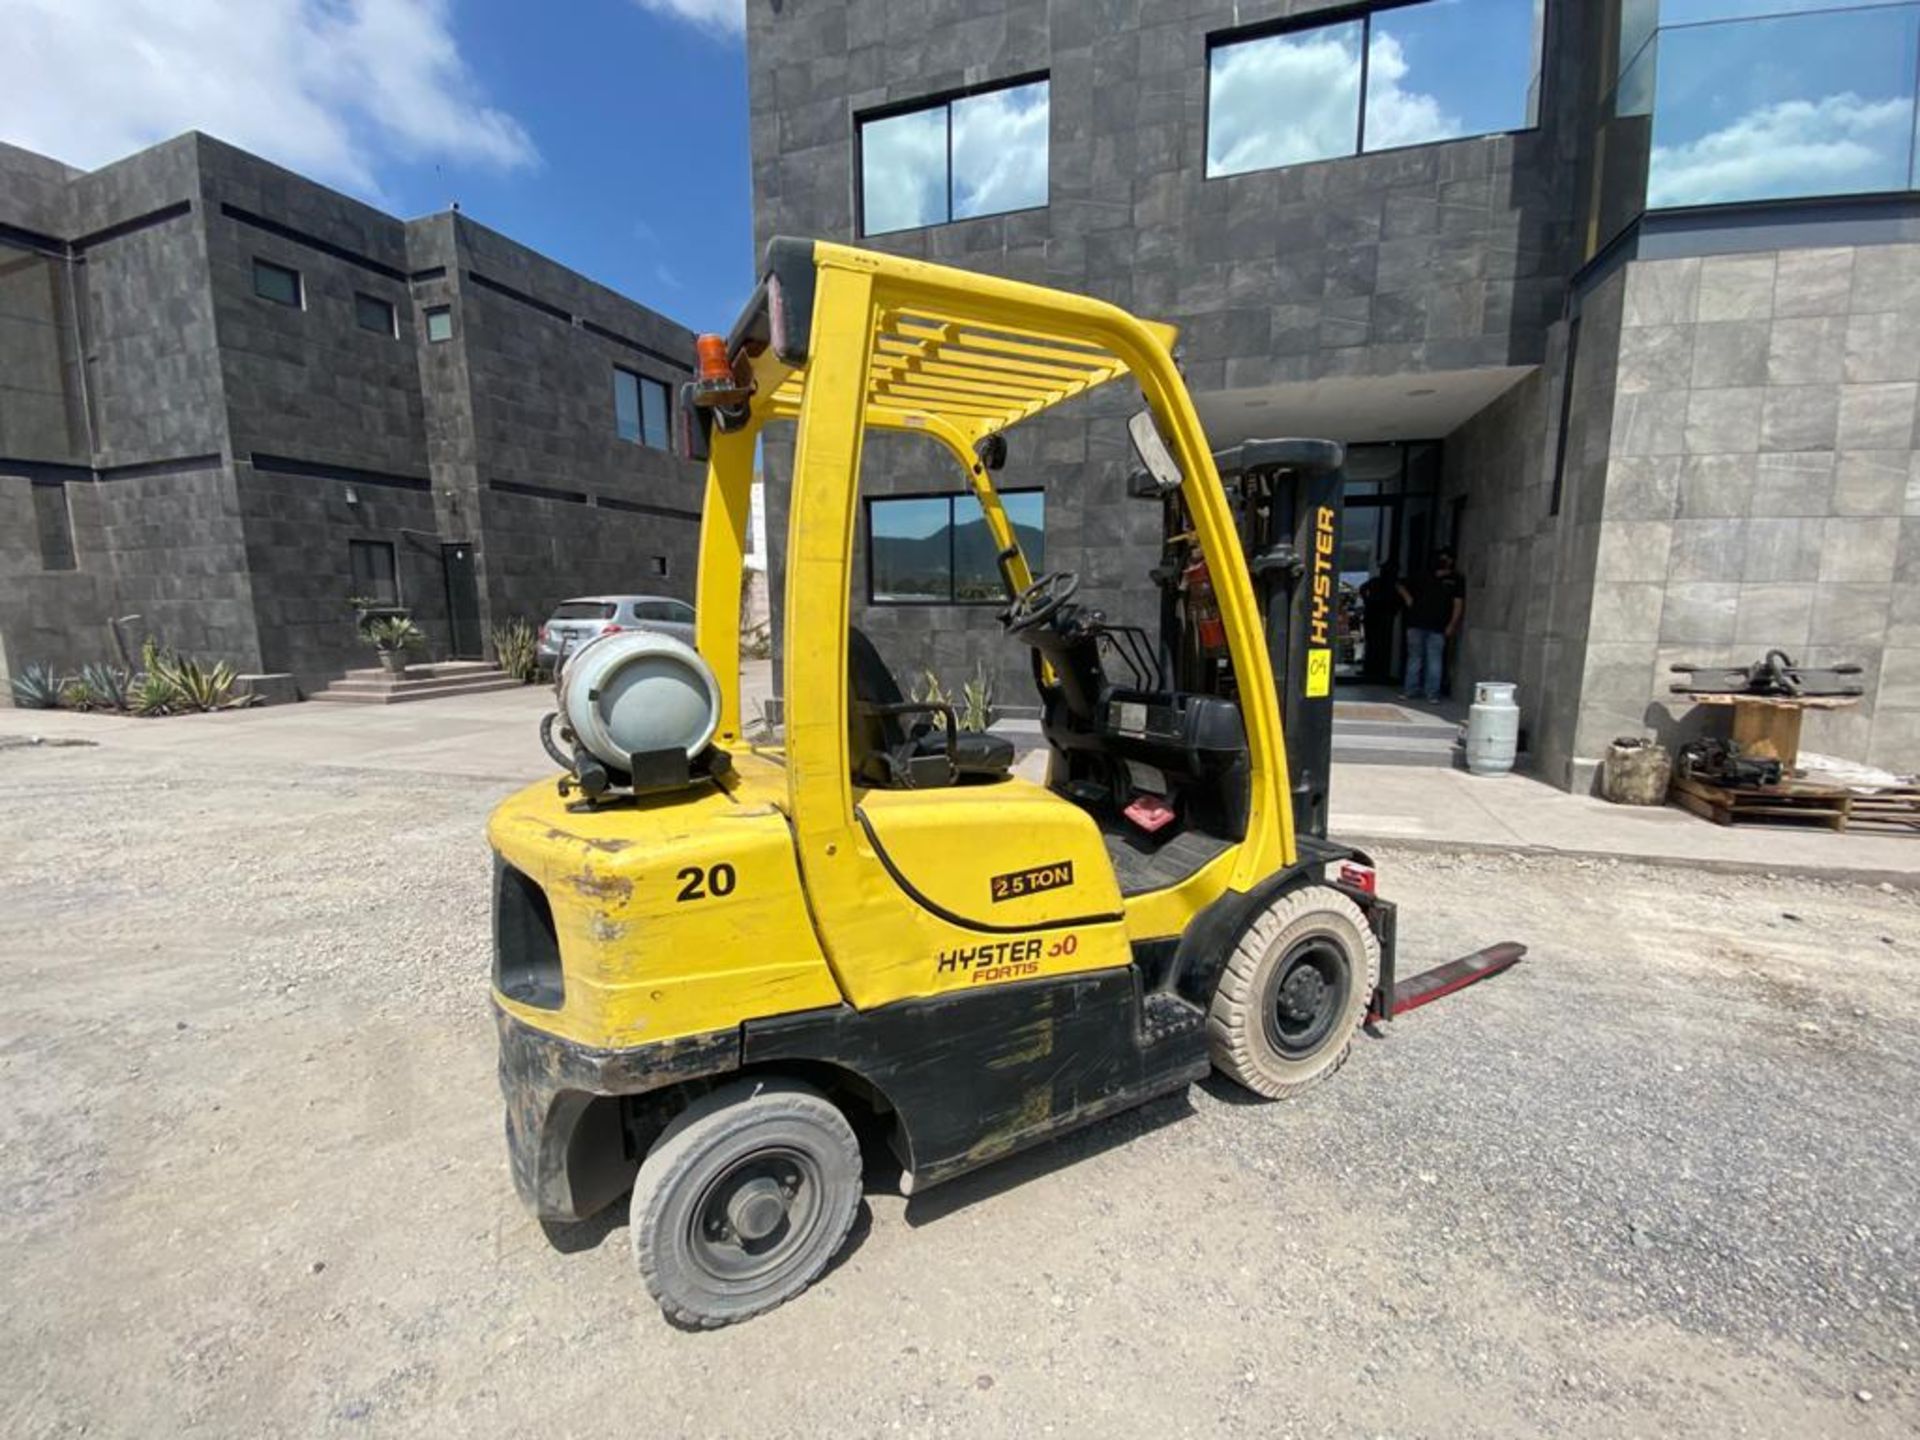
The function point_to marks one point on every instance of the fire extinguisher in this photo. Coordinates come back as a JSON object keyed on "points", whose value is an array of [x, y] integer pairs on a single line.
{"points": [[1202, 608]]}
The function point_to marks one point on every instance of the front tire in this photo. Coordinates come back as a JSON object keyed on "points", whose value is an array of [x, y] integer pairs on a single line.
{"points": [[743, 1200], [1294, 989]]}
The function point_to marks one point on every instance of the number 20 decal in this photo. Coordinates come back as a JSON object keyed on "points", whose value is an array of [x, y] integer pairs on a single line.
{"points": [[698, 884]]}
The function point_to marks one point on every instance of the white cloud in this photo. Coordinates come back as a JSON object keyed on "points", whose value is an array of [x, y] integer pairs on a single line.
{"points": [[1829, 146], [1294, 98], [726, 17], [330, 88], [1396, 116], [1000, 151]]}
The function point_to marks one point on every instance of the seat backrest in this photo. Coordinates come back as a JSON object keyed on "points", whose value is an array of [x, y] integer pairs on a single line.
{"points": [[870, 737]]}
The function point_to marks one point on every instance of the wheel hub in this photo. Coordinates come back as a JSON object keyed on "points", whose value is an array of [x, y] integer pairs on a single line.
{"points": [[756, 1209], [1301, 997]]}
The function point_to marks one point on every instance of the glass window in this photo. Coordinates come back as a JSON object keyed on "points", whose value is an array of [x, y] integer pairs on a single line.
{"points": [[583, 610], [660, 569], [1284, 99], [372, 313], [439, 323], [626, 404], [937, 548], [653, 413], [1434, 71], [276, 283], [982, 154], [911, 549], [1693, 12], [678, 609], [1441, 71], [1000, 151], [1815, 104], [641, 406], [1637, 19], [374, 577]]}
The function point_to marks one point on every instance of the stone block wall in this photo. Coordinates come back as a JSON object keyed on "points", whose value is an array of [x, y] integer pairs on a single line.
{"points": [[1763, 491], [1446, 256]]}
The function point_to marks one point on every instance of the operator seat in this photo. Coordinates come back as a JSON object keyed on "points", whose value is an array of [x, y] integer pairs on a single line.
{"points": [[895, 746]]}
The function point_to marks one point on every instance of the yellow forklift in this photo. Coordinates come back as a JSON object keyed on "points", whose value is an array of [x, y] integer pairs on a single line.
{"points": [[718, 962]]}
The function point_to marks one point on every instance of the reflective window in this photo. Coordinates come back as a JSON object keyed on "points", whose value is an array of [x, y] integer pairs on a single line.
{"points": [[937, 549], [1808, 104], [1000, 151], [1284, 99], [981, 154], [439, 323], [370, 312], [375, 577], [1440, 70], [276, 283], [1693, 12], [640, 409]]}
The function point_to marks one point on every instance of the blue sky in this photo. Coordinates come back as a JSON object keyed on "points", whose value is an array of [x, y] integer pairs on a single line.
{"points": [[608, 134]]}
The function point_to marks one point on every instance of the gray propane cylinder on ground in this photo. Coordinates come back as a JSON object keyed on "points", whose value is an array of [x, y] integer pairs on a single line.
{"points": [[639, 692], [1637, 772], [1493, 728]]}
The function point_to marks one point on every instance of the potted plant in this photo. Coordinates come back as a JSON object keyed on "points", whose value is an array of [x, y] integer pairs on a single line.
{"points": [[391, 637]]}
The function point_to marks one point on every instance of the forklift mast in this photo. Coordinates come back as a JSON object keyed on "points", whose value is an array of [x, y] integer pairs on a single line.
{"points": [[1286, 496]]}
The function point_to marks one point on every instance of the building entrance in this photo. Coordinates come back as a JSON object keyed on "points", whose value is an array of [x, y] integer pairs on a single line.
{"points": [[1388, 529]]}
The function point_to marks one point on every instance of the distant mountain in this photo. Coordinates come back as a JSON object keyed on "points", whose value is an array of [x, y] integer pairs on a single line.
{"points": [[916, 567]]}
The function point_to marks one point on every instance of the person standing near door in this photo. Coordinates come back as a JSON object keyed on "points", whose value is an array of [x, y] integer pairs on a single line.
{"points": [[1435, 602], [1379, 608]]}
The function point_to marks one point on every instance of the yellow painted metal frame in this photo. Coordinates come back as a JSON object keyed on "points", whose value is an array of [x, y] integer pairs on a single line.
{"points": [[900, 344]]}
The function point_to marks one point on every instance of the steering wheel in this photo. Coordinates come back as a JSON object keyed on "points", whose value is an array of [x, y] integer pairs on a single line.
{"points": [[1040, 601]]}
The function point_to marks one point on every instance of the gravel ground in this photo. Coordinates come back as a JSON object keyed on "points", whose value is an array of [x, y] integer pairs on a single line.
{"points": [[1658, 1179]]}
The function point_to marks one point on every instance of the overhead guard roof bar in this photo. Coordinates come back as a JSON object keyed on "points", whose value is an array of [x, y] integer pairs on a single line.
{"points": [[976, 372]]}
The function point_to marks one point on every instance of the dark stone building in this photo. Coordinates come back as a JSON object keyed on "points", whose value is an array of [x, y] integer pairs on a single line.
{"points": [[231, 400], [1637, 341]]}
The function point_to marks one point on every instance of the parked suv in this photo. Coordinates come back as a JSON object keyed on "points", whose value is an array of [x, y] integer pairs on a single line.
{"points": [[574, 622]]}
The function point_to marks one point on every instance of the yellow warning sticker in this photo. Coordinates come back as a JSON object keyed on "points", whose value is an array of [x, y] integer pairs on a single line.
{"points": [[1319, 674]]}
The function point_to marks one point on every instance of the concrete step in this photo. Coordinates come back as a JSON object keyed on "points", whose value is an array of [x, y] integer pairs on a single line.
{"points": [[1433, 751], [361, 688]]}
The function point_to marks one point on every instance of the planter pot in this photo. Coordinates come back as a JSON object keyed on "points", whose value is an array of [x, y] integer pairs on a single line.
{"points": [[394, 662]]}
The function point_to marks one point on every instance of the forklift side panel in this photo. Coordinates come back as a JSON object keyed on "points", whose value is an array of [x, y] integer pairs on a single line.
{"points": [[1006, 856], [976, 1075]]}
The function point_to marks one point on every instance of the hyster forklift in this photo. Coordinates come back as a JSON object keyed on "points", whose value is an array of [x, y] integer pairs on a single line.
{"points": [[717, 961]]}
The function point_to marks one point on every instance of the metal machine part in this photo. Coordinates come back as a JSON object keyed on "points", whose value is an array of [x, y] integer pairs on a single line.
{"points": [[1775, 674]]}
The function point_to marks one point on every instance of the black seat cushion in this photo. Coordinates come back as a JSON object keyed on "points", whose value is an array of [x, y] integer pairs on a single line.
{"points": [[884, 748], [975, 752]]}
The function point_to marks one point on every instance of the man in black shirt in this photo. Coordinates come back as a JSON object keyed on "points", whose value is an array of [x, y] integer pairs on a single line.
{"points": [[1434, 604]]}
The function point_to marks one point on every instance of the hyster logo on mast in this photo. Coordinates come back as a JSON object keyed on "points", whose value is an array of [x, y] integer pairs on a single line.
{"points": [[1319, 654]]}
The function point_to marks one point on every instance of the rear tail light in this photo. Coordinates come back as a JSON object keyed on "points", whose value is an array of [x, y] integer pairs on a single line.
{"points": [[1359, 877], [610, 629]]}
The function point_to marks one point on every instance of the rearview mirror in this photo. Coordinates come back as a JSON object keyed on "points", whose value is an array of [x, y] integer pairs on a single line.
{"points": [[1151, 447]]}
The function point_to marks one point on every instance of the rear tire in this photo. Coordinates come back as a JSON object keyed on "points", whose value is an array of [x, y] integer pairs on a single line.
{"points": [[1294, 989], [743, 1200]]}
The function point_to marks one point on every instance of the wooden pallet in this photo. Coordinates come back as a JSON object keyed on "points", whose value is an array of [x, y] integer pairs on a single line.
{"points": [[1797, 802]]}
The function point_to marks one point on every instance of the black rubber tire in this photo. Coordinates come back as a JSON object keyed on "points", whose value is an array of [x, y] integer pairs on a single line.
{"points": [[710, 1138], [1238, 1034]]}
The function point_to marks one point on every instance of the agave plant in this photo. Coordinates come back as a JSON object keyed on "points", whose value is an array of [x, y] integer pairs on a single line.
{"points": [[36, 687], [202, 687], [152, 694], [516, 647], [976, 701], [391, 633], [77, 694], [108, 684]]}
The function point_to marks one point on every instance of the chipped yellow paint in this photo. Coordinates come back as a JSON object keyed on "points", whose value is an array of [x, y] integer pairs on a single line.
{"points": [[642, 964]]}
